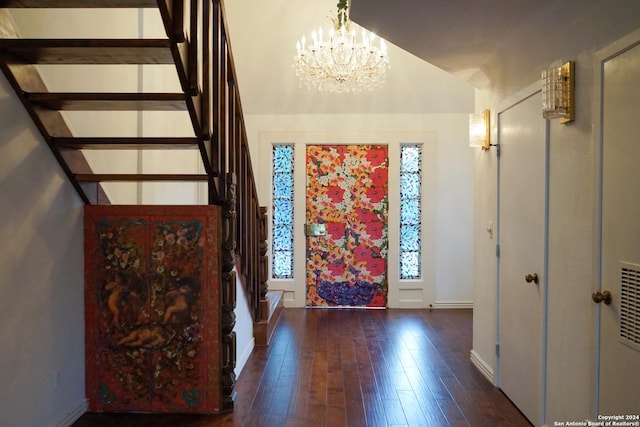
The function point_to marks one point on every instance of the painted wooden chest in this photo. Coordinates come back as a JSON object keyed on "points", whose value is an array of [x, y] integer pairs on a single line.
{"points": [[152, 308]]}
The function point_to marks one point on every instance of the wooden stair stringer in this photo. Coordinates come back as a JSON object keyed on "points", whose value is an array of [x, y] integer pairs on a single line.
{"points": [[50, 120]]}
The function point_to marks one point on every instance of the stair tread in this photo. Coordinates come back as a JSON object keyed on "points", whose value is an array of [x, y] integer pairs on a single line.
{"points": [[272, 302], [114, 177], [87, 51], [265, 327], [124, 143], [83, 101], [275, 298], [78, 3]]}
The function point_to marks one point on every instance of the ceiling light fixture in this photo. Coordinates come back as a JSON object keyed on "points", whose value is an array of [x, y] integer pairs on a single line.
{"points": [[336, 62]]}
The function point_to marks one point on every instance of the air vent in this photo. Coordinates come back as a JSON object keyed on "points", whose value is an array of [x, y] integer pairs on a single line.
{"points": [[630, 304]]}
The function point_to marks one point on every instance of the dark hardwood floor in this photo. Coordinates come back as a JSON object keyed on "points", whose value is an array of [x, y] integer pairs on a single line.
{"points": [[356, 368]]}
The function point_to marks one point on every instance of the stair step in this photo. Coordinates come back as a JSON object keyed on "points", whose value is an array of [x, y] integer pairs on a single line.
{"points": [[264, 329], [127, 143], [77, 101], [86, 51], [140, 177], [78, 3]]}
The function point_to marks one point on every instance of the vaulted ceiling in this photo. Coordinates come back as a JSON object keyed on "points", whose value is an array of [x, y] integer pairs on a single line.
{"points": [[440, 50], [263, 38], [490, 42]]}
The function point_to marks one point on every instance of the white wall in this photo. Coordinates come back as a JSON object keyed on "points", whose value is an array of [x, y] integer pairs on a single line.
{"points": [[572, 199], [41, 285], [448, 218], [484, 262], [245, 341], [73, 78], [571, 337]]}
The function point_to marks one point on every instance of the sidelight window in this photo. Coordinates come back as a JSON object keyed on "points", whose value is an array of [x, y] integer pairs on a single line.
{"points": [[410, 210], [282, 212]]}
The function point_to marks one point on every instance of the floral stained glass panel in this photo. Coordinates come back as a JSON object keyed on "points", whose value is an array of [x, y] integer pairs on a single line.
{"points": [[283, 186], [410, 211], [282, 212], [347, 191], [282, 238]]}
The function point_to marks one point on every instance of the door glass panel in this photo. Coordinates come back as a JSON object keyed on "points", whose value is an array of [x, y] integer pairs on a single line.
{"points": [[282, 212], [410, 210]]}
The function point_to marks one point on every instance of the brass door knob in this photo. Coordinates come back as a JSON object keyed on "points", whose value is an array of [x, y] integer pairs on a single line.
{"points": [[604, 296], [531, 278]]}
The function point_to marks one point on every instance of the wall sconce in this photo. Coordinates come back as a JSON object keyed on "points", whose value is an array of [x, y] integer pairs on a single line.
{"points": [[558, 87], [479, 130]]}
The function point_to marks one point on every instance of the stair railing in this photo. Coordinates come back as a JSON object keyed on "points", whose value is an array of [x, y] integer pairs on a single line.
{"points": [[198, 27]]}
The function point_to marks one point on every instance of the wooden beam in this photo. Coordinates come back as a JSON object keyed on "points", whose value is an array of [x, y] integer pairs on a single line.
{"points": [[127, 143], [79, 3], [140, 177], [86, 51], [109, 101]]}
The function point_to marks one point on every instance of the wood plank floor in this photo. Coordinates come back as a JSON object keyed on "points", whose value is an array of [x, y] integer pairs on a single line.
{"points": [[356, 368]]}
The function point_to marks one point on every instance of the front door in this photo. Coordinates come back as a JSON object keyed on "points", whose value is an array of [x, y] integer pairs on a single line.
{"points": [[522, 254], [346, 215], [620, 320]]}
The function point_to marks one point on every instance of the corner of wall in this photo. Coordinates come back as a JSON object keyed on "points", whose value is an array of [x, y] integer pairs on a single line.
{"points": [[482, 366], [243, 329]]}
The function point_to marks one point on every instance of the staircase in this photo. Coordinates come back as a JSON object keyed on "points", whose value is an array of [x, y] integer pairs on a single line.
{"points": [[22, 59], [192, 51]]}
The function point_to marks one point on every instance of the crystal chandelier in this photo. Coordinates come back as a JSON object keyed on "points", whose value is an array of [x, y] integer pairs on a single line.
{"points": [[336, 62]]}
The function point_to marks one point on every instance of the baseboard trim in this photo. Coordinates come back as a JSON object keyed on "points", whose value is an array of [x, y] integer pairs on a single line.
{"points": [[453, 304], [72, 416], [241, 361], [483, 367], [410, 304]]}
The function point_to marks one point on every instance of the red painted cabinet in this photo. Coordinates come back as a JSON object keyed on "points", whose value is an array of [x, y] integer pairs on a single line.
{"points": [[152, 308]]}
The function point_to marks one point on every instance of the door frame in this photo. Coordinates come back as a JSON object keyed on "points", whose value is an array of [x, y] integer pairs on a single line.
{"points": [[504, 106], [401, 293], [614, 49]]}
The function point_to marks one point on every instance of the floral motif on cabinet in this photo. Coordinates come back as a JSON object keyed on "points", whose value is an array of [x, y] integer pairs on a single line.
{"points": [[148, 315]]}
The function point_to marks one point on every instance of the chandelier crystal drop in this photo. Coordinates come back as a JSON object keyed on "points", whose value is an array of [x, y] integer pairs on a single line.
{"points": [[336, 61]]}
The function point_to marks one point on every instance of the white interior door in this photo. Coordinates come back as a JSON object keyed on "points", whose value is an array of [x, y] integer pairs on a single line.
{"points": [[620, 320], [522, 225]]}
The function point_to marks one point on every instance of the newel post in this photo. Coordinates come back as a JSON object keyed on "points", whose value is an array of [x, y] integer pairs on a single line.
{"points": [[263, 247]]}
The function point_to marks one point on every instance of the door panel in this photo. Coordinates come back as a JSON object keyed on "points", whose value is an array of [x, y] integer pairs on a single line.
{"points": [[347, 192], [522, 252], [152, 308], [620, 321]]}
